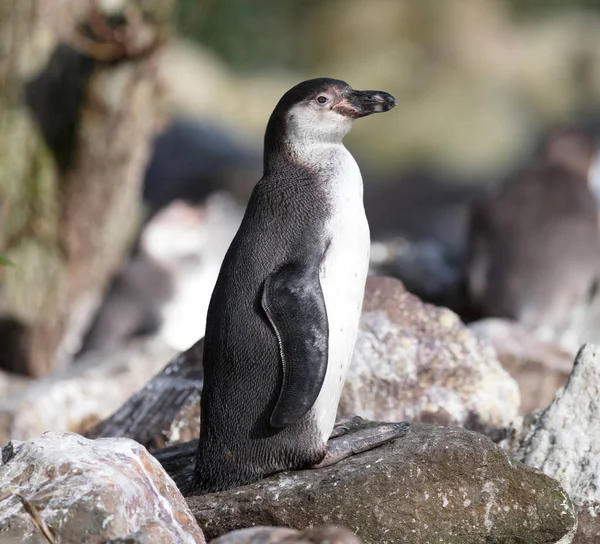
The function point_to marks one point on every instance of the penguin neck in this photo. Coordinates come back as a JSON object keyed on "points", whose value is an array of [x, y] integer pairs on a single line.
{"points": [[287, 146], [312, 156]]}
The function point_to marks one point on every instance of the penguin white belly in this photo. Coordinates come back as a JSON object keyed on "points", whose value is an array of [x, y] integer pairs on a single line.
{"points": [[342, 275]]}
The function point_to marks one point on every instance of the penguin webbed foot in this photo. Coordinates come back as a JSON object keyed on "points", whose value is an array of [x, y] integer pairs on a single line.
{"points": [[345, 424], [354, 435]]}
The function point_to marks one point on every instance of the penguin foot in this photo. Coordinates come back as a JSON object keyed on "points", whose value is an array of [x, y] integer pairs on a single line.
{"points": [[344, 424], [364, 439]]}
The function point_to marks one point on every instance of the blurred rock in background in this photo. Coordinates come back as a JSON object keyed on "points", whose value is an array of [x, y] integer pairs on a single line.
{"points": [[77, 398], [190, 160]]}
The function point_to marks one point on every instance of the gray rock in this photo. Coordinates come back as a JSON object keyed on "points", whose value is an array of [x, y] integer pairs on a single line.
{"points": [[166, 411], [281, 535], [417, 362], [540, 368], [436, 484], [564, 440], [87, 392], [584, 327], [256, 535], [12, 384], [150, 533], [90, 491]]}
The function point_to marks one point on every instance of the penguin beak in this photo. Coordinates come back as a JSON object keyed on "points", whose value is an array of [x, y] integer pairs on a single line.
{"points": [[358, 104]]}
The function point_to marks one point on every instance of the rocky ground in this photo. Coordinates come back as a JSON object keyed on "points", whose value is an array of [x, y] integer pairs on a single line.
{"points": [[531, 479]]}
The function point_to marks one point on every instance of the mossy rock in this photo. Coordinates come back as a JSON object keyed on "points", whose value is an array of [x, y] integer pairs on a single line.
{"points": [[435, 485]]}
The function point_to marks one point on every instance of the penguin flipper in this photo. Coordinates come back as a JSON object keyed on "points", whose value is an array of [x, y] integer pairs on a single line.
{"points": [[294, 303]]}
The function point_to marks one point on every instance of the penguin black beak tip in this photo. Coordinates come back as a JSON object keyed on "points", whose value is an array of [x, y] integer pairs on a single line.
{"points": [[363, 103], [387, 101]]}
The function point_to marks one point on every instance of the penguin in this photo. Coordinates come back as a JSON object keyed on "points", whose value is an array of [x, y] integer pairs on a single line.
{"points": [[578, 151], [534, 245], [573, 148], [283, 317], [170, 278]]}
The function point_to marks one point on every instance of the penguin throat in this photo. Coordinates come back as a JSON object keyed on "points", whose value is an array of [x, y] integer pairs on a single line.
{"points": [[305, 127], [304, 137]]}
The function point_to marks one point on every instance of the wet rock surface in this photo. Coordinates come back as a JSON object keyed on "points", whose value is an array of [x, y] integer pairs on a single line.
{"points": [[280, 535], [90, 491], [435, 484], [417, 362]]}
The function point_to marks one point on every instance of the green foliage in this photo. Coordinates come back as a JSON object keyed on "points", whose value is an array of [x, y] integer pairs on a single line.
{"points": [[539, 7], [261, 34], [5, 262], [247, 35]]}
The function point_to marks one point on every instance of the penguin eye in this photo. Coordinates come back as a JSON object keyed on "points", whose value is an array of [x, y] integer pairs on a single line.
{"points": [[322, 99]]}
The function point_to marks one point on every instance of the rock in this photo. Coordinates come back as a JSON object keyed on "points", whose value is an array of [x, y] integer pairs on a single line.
{"points": [[90, 491], [584, 327], [87, 392], [436, 484], [11, 384], [561, 440], [588, 527], [280, 535], [564, 440], [428, 268], [417, 362], [150, 533], [539, 367], [166, 410], [191, 159]]}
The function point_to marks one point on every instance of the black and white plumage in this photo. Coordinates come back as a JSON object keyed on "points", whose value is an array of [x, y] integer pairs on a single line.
{"points": [[283, 317]]}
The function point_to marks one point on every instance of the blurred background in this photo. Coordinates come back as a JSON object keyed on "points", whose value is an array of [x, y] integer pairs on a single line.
{"points": [[131, 136]]}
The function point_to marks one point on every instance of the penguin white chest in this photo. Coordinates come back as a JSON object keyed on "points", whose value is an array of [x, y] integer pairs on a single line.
{"points": [[342, 275]]}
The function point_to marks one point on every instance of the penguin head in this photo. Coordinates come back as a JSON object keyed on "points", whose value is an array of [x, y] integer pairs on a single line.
{"points": [[572, 148], [322, 110]]}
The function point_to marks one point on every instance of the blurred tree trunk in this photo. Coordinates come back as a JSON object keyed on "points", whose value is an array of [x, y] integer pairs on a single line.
{"points": [[78, 108]]}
